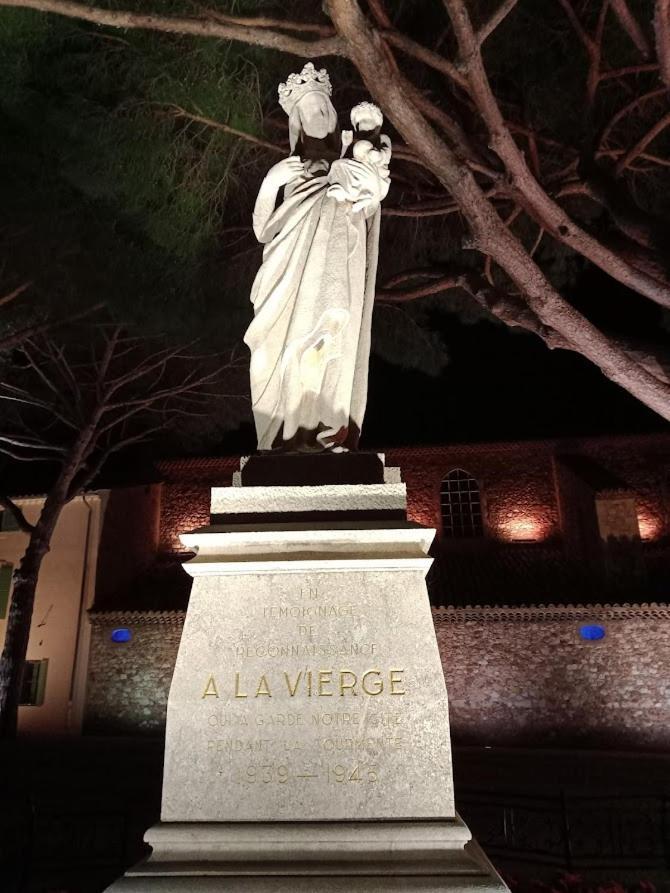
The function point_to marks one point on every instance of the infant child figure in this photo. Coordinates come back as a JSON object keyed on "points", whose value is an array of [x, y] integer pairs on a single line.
{"points": [[361, 176]]}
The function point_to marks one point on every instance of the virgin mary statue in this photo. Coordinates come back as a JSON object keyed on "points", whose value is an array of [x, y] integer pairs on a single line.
{"points": [[317, 213]]}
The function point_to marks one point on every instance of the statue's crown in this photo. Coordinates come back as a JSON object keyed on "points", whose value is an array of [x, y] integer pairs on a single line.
{"points": [[297, 85]]}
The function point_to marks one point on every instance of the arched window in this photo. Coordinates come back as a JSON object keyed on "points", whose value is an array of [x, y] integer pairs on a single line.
{"points": [[461, 505]]}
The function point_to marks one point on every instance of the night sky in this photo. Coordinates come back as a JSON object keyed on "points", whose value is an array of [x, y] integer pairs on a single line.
{"points": [[498, 386]]}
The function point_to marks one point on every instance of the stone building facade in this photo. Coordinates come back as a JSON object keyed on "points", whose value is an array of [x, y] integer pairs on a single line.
{"points": [[549, 589]]}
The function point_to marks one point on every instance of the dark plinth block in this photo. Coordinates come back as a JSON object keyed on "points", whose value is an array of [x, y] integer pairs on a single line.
{"points": [[312, 469]]}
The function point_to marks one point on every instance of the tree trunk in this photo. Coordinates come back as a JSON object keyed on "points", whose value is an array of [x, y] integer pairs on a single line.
{"points": [[25, 580], [21, 611]]}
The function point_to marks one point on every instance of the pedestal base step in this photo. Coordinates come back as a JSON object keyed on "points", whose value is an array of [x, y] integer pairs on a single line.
{"points": [[326, 857]]}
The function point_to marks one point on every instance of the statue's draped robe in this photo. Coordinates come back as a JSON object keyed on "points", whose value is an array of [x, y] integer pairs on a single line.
{"points": [[312, 299]]}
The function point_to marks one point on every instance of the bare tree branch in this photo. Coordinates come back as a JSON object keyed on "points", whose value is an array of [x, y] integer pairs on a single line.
{"points": [[654, 160], [257, 36], [631, 106], [381, 16], [23, 457], [16, 339], [529, 193], [631, 26], [642, 144], [267, 22], [581, 32], [427, 209], [662, 37], [492, 23], [612, 73], [10, 296], [592, 45], [423, 54], [10, 506], [180, 112], [400, 295], [13, 394], [27, 443], [156, 362], [88, 473], [507, 308]]}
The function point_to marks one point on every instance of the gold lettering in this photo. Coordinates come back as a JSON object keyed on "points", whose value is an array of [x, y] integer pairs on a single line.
{"points": [[378, 682], [394, 680], [211, 690], [319, 683], [292, 690], [325, 678], [348, 685], [263, 688]]}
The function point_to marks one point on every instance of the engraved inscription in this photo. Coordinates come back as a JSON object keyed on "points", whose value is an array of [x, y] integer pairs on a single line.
{"points": [[312, 683], [299, 697]]}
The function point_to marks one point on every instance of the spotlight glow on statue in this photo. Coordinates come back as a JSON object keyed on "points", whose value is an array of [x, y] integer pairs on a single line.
{"points": [[317, 213]]}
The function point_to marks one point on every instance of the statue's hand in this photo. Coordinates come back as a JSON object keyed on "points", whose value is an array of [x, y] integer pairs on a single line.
{"points": [[285, 171]]}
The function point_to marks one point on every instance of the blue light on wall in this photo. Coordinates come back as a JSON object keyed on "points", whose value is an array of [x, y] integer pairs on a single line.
{"points": [[121, 635], [592, 632]]}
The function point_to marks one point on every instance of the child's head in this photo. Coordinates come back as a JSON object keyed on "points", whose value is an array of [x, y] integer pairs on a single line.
{"points": [[367, 120], [366, 117]]}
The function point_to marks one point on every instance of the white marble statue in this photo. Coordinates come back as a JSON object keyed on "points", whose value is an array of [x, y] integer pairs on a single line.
{"points": [[317, 213]]}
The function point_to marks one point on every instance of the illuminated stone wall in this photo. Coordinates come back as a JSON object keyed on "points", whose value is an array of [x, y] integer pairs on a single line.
{"points": [[514, 676], [643, 463], [525, 676], [128, 682], [527, 495], [516, 482], [186, 495], [522, 483]]}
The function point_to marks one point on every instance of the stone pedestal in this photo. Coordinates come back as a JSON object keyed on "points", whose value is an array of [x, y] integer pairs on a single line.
{"points": [[307, 741]]}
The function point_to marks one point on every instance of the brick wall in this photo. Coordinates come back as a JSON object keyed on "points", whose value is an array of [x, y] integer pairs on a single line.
{"points": [[514, 676]]}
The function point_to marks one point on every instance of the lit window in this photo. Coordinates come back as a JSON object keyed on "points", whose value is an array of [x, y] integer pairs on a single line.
{"points": [[34, 682], [8, 523], [6, 571], [461, 505]]}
